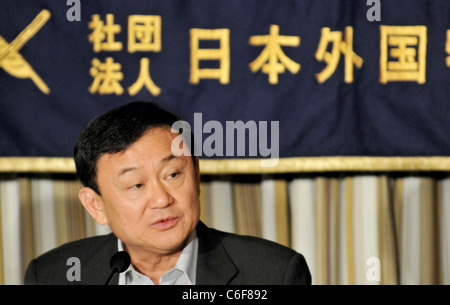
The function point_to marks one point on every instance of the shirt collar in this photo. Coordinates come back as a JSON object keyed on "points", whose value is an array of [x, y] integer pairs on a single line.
{"points": [[186, 263]]}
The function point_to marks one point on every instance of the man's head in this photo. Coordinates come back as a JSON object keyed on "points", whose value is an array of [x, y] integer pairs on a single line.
{"points": [[133, 182], [114, 132]]}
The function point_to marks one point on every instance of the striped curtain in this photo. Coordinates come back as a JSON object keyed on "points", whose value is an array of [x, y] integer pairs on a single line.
{"points": [[352, 229]]}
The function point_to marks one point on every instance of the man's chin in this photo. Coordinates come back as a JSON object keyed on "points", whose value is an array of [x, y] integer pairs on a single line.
{"points": [[170, 244]]}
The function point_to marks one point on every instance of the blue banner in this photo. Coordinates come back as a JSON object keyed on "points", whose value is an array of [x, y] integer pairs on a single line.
{"points": [[315, 77]]}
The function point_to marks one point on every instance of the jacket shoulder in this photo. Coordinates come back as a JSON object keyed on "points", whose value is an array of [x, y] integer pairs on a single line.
{"points": [[254, 247], [261, 261], [92, 255]]}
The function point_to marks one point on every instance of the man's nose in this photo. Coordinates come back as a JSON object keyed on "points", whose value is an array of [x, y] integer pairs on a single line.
{"points": [[159, 196]]}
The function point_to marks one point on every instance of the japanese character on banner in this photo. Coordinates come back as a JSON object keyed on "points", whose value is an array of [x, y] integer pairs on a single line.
{"points": [[106, 77], [221, 54], [332, 58], [403, 53], [103, 35], [272, 60], [144, 33], [144, 79]]}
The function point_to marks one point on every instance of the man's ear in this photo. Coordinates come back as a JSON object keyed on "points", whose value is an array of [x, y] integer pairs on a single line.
{"points": [[93, 203]]}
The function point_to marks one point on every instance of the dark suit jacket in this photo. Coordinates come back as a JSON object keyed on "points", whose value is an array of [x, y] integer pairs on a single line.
{"points": [[223, 258]]}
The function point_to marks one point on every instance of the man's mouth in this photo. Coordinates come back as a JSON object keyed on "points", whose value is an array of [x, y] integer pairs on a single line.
{"points": [[166, 223]]}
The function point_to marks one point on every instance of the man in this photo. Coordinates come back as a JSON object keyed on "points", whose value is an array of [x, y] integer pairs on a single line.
{"points": [[149, 197]]}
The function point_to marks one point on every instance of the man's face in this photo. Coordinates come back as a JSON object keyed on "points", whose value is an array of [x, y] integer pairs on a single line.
{"points": [[150, 198]]}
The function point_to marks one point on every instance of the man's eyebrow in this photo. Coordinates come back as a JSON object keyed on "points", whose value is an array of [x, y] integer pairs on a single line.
{"points": [[125, 170], [168, 158]]}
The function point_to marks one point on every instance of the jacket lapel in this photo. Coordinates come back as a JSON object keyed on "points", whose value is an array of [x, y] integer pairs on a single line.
{"points": [[97, 268], [214, 266]]}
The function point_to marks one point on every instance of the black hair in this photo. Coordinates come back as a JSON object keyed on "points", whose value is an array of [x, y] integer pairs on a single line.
{"points": [[113, 132]]}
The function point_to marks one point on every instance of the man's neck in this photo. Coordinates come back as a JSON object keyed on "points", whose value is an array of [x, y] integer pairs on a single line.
{"points": [[151, 264]]}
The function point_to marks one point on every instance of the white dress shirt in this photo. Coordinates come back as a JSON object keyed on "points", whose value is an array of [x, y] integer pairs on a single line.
{"points": [[183, 273]]}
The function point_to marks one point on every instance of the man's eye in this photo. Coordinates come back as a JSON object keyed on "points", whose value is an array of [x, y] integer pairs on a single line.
{"points": [[174, 175], [137, 186]]}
